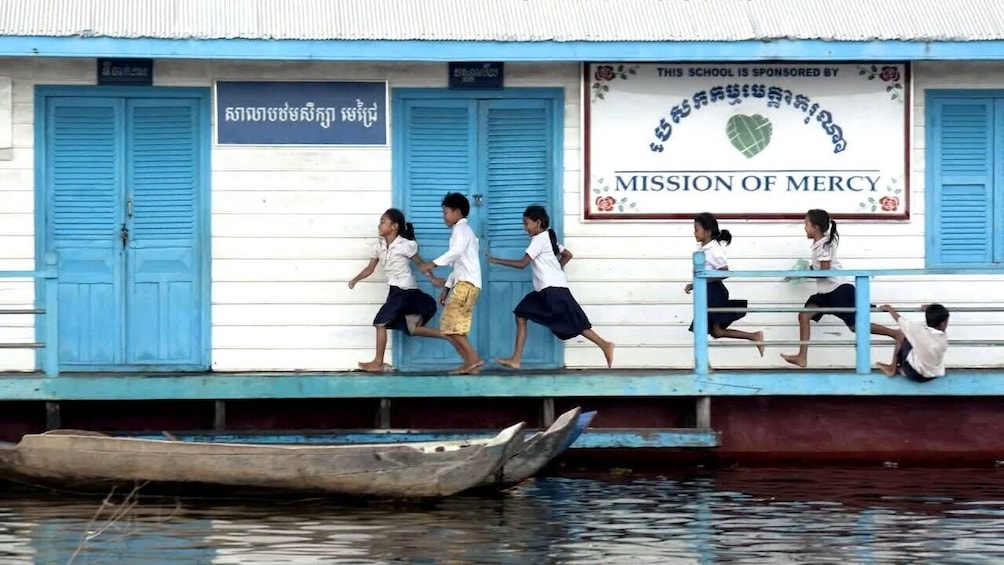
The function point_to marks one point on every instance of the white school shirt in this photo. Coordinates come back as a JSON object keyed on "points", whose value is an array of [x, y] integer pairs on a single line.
{"points": [[546, 267], [929, 347], [463, 255], [823, 250], [714, 256], [396, 261]]}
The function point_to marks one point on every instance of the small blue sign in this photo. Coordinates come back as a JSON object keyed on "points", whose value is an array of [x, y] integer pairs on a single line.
{"points": [[476, 75], [125, 72], [301, 113]]}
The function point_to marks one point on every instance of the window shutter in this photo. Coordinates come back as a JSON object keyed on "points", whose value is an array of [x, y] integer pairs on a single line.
{"points": [[960, 224]]}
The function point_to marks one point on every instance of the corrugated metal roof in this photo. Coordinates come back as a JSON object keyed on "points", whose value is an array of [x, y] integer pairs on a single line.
{"points": [[509, 20]]}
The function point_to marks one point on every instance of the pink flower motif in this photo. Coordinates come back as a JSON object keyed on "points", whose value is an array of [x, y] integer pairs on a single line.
{"points": [[889, 203], [889, 74], [605, 203], [604, 73]]}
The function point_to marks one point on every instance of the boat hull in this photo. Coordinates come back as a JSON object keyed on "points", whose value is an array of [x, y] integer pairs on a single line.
{"points": [[383, 471]]}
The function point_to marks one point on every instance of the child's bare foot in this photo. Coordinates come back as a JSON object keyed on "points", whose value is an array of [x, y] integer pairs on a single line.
{"points": [[373, 367], [508, 362], [795, 360], [758, 340], [472, 369], [608, 353], [887, 369]]}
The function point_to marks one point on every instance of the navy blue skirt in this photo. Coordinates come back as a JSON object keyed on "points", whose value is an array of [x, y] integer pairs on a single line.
{"points": [[556, 309], [718, 297], [840, 297], [401, 303]]}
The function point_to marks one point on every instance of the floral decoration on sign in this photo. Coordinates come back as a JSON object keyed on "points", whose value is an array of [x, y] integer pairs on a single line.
{"points": [[605, 74], [603, 201], [890, 202], [888, 74]]}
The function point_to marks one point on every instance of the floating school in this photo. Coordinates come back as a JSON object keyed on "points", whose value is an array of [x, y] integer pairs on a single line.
{"points": [[189, 186]]}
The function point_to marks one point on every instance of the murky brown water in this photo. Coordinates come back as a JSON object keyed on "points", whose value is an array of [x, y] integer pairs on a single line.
{"points": [[738, 516]]}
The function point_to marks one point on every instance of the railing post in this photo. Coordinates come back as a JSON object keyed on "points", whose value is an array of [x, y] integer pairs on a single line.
{"points": [[862, 324], [700, 294], [50, 363]]}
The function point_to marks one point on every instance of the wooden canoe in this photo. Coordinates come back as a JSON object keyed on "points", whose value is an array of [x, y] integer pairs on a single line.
{"points": [[398, 470], [542, 448]]}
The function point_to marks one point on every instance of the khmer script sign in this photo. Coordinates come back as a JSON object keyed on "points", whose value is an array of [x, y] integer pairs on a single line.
{"points": [[756, 140], [301, 113]]}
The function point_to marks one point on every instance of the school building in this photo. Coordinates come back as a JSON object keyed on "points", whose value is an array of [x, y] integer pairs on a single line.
{"points": [[192, 184]]}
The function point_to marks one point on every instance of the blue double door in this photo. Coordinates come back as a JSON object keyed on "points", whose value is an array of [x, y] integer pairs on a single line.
{"points": [[503, 154], [124, 212]]}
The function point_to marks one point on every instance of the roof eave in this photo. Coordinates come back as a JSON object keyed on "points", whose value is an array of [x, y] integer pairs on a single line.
{"points": [[538, 51]]}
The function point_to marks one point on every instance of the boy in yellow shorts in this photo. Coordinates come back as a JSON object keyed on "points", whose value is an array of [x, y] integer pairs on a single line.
{"points": [[462, 287]]}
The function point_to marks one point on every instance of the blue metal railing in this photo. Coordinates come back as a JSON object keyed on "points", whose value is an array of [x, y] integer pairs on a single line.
{"points": [[862, 303], [50, 356]]}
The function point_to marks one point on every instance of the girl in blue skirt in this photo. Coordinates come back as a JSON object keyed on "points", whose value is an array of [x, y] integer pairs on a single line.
{"points": [[712, 242], [550, 304], [407, 309], [831, 292]]}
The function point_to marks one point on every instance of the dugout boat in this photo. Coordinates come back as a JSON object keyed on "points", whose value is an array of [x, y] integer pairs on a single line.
{"points": [[78, 459]]}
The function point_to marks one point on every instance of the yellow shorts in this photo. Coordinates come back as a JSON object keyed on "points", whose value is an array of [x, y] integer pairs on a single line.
{"points": [[459, 309]]}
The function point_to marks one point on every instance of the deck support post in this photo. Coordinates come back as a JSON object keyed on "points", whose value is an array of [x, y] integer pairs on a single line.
{"points": [[52, 416], [700, 290], [703, 409], [50, 355], [547, 413], [220, 416], [383, 416], [862, 325]]}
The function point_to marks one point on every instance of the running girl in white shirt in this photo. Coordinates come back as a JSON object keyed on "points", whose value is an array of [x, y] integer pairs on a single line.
{"points": [[831, 292], [407, 309], [550, 304], [711, 240]]}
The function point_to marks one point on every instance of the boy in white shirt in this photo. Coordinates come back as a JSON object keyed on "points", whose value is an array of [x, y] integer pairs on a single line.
{"points": [[920, 355], [462, 287]]}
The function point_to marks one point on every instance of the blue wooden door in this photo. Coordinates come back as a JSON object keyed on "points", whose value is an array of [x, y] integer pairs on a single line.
{"points": [[163, 275], [84, 157], [122, 185], [516, 171], [440, 156], [500, 150]]}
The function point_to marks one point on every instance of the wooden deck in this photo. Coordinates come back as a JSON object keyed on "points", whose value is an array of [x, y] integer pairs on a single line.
{"points": [[526, 384]]}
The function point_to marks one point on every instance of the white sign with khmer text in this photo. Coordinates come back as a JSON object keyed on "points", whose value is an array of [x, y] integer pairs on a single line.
{"points": [[751, 140]]}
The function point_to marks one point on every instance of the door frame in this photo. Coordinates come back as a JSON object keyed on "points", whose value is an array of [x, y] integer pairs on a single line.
{"points": [[556, 196], [202, 210]]}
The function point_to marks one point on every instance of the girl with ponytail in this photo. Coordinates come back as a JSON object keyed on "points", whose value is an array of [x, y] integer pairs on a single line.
{"points": [[550, 304], [831, 292], [711, 240], [407, 309]]}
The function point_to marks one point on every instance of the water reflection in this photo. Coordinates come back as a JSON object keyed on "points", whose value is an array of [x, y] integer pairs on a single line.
{"points": [[739, 516]]}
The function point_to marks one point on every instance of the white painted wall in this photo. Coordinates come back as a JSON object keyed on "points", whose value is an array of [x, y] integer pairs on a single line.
{"points": [[291, 225]]}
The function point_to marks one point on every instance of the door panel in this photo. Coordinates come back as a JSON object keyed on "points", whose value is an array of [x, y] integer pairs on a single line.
{"points": [[438, 158], [515, 157], [162, 279], [83, 169]]}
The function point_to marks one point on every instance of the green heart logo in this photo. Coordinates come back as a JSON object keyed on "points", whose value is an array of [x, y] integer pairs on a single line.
{"points": [[749, 134]]}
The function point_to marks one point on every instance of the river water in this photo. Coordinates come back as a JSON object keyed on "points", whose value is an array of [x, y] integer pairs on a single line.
{"points": [[874, 515]]}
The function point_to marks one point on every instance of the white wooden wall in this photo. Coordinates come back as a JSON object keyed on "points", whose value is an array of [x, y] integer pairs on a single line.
{"points": [[291, 226]]}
